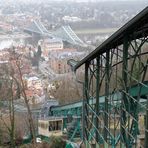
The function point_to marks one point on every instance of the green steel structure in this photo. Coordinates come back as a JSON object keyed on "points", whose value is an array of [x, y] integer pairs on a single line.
{"points": [[115, 105], [114, 109], [75, 110]]}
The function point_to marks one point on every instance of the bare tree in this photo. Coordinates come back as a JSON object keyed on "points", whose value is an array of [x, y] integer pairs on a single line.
{"points": [[19, 65], [66, 90], [9, 85], [12, 87]]}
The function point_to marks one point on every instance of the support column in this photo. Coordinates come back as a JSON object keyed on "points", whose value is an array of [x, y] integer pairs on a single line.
{"points": [[83, 114], [86, 100], [146, 126], [106, 96], [97, 96], [124, 99]]}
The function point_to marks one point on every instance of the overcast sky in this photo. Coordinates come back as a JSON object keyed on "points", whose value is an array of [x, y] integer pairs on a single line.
{"points": [[94, 0], [46, 1]]}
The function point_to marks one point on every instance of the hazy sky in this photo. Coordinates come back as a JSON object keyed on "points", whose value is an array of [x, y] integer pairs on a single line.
{"points": [[46, 1], [91, 0]]}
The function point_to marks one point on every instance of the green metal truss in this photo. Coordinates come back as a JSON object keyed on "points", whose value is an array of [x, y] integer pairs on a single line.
{"points": [[114, 110], [115, 103]]}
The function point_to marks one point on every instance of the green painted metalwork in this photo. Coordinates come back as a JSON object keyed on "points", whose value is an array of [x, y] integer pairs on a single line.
{"points": [[97, 97], [107, 64], [86, 101], [114, 110], [116, 88], [76, 130], [124, 100], [146, 124]]}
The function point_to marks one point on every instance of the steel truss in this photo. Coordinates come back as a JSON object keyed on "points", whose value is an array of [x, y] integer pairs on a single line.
{"points": [[116, 74]]}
